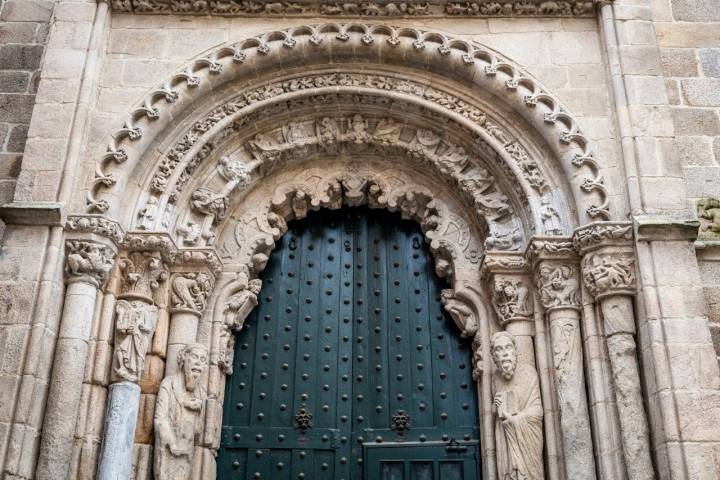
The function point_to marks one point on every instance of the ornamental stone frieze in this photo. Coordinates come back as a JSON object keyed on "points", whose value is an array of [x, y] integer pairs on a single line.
{"points": [[391, 9]]}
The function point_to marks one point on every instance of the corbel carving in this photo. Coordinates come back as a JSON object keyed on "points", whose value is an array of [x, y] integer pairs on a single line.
{"points": [[461, 313], [237, 308], [88, 261]]}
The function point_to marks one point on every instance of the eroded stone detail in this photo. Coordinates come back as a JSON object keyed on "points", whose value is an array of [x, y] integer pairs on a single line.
{"points": [[179, 412], [519, 413], [95, 224], [237, 309], [88, 261], [708, 212], [140, 274], [135, 323]]}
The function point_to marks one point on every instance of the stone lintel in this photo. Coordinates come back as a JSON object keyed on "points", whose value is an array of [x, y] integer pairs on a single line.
{"points": [[649, 228], [32, 213], [362, 8]]}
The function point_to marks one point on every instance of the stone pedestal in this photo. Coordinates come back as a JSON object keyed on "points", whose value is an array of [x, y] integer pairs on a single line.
{"points": [[117, 448]]}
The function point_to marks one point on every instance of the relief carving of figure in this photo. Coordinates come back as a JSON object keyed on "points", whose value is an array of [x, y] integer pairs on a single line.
{"points": [[264, 148], [237, 309], [190, 290], [208, 202], [512, 300], [387, 132], [519, 413], [460, 312], [453, 159], [603, 273], [148, 214], [558, 287], [550, 218], [708, 211], [134, 325], [424, 143], [328, 133], [358, 130], [179, 411], [88, 259]]}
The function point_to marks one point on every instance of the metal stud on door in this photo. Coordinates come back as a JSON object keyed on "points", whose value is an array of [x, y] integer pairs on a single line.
{"points": [[348, 352]]}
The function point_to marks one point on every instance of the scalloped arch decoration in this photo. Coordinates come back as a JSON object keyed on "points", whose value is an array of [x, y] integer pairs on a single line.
{"points": [[517, 86]]}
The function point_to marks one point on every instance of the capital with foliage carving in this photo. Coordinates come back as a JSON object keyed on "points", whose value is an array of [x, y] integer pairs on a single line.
{"points": [[141, 274], [88, 261]]}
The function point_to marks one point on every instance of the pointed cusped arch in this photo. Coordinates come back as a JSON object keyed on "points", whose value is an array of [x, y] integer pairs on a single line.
{"points": [[509, 125]]}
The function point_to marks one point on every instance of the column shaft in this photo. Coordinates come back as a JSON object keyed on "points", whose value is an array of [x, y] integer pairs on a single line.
{"points": [[66, 383], [183, 331], [619, 331], [570, 386]]}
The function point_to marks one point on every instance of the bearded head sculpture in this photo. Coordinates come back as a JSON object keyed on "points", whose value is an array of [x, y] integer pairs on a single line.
{"points": [[192, 360], [504, 354]]}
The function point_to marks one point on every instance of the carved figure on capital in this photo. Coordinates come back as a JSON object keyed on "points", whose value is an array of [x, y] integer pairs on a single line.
{"points": [[208, 202], [135, 323], [141, 274], [179, 411], [461, 313], [607, 273], [190, 291], [512, 300], [558, 286], [90, 261], [518, 411]]}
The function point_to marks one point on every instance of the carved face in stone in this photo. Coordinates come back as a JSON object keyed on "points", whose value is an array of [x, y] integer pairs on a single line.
{"points": [[193, 359], [504, 354]]}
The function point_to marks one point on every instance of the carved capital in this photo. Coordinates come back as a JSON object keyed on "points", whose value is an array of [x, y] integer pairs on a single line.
{"points": [[609, 273], [141, 274], [602, 234], [512, 298], [461, 312], [550, 248], [190, 291], [199, 259], [208, 202], [558, 285], [87, 261], [95, 225]]}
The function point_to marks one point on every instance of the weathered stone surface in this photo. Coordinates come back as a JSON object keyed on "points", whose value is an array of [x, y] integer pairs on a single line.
{"points": [[21, 57], [679, 62], [117, 448], [710, 61], [26, 10], [696, 121], [696, 10], [701, 92]]}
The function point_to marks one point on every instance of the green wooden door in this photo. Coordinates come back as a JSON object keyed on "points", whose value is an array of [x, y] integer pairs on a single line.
{"points": [[348, 352]]}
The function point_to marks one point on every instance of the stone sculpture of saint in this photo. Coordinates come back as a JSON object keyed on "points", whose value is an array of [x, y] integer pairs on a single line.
{"points": [[136, 321], [519, 413], [178, 415]]}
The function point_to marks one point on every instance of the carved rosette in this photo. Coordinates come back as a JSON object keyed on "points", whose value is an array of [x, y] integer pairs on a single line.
{"points": [[88, 261]]}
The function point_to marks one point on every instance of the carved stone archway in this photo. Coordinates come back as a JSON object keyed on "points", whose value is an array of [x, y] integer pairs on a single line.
{"points": [[205, 173]]}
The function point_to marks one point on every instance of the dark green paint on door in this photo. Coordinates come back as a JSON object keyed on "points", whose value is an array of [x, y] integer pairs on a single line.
{"points": [[349, 366]]}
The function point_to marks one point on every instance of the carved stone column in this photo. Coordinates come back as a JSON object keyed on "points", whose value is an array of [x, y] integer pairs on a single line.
{"points": [[512, 299], [191, 283], [608, 269], [87, 266], [142, 268], [556, 267]]}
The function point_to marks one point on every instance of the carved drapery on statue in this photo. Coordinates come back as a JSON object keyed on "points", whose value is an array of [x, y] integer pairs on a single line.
{"points": [[519, 413], [179, 411]]}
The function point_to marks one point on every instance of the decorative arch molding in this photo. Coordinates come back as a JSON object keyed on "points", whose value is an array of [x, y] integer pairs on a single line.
{"points": [[436, 53]]}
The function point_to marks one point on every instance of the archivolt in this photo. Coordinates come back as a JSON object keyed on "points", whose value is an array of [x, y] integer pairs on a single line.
{"points": [[383, 45]]}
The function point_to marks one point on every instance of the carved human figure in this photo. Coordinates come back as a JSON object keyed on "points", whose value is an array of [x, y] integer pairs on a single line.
{"points": [[550, 218], [179, 411], [519, 413], [148, 214], [460, 312], [328, 133], [190, 290], [358, 130], [387, 132], [135, 323]]}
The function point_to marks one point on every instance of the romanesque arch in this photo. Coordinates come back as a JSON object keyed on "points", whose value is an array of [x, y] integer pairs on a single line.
{"points": [[202, 177]]}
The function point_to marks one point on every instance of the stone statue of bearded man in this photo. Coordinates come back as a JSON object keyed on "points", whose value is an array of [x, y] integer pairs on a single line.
{"points": [[179, 411], [518, 426]]}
